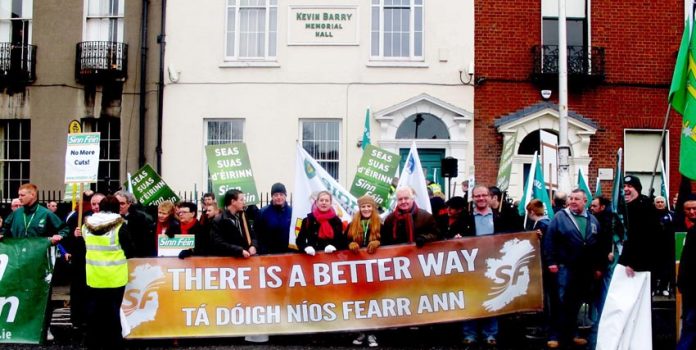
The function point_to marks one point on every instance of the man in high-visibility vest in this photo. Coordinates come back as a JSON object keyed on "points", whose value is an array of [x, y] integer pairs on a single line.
{"points": [[108, 246]]}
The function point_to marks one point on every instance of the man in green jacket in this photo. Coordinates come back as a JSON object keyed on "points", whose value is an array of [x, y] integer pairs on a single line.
{"points": [[32, 219]]}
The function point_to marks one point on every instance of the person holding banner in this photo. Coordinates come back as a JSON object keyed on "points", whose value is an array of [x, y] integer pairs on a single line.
{"points": [[364, 231], [187, 212], [408, 223], [322, 229], [686, 279], [108, 246], [454, 224], [272, 224], [32, 219], [230, 231]]}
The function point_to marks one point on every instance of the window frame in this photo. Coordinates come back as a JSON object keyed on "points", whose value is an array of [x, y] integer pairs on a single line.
{"points": [[120, 19], [271, 9], [322, 162], [28, 5], [8, 188], [651, 161], [378, 5], [113, 146]]}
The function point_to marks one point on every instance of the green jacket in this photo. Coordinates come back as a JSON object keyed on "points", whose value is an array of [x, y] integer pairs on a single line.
{"points": [[33, 221]]}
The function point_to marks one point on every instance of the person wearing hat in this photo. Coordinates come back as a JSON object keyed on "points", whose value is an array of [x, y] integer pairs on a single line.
{"points": [[641, 222], [364, 232], [272, 224]]}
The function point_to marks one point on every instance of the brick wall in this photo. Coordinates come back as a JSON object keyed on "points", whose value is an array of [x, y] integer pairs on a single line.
{"points": [[641, 40]]}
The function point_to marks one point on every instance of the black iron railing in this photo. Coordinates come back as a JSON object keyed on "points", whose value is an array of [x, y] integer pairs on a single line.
{"points": [[100, 61], [583, 62], [17, 63]]}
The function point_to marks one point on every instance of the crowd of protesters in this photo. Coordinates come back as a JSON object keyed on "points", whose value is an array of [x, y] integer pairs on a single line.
{"points": [[580, 245]]}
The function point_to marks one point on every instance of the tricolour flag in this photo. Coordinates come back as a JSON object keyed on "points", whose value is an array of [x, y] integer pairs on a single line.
{"points": [[310, 179], [582, 184], [366, 130], [412, 176], [535, 188], [682, 96]]}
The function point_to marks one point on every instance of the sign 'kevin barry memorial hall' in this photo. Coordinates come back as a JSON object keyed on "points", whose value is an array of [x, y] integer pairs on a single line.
{"points": [[323, 25]]}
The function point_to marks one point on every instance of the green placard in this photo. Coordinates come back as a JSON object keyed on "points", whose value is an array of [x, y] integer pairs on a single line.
{"points": [[149, 188], [375, 173], [24, 287], [679, 240], [230, 168]]}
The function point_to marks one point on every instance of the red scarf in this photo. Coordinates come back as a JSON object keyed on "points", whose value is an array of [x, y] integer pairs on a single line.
{"points": [[407, 218], [185, 227], [325, 229]]}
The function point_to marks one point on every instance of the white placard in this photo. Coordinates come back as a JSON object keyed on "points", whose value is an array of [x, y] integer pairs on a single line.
{"points": [[82, 157]]}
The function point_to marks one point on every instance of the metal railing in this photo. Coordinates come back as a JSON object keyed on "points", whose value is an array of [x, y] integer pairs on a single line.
{"points": [[17, 63], [98, 61], [583, 62]]}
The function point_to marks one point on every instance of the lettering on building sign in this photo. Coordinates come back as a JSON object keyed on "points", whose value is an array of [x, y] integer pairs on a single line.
{"points": [[324, 24]]}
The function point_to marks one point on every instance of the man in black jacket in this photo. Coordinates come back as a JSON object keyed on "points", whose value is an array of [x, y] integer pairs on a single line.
{"points": [[140, 225], [642, 222], [230, 232], [687, 281]]}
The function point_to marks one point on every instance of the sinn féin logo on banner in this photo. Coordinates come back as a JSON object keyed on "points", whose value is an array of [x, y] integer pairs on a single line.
{"points": [[141, 300], [510, 273]]}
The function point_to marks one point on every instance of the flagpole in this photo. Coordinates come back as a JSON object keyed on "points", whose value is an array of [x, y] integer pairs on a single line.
{"points": [[563, 148], [528, 189], [660, 149]]}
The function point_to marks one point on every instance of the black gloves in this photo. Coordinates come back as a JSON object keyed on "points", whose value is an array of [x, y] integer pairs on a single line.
{"points": [[186, 253], [420, 241]]}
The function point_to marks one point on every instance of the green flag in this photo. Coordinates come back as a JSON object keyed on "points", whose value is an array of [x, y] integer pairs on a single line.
{"points": [[582, 184], [535, 188], [366, 130], [682, 96], [598, 189]]}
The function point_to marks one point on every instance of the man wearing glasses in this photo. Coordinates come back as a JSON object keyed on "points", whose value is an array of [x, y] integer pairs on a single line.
{"points": [[139, 224]]}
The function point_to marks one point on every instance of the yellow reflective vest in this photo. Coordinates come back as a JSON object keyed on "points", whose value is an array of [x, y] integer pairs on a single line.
{"points": [[106, 264]]}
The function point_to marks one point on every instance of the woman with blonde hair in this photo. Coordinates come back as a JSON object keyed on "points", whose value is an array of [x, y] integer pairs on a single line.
{"points": [[167, 223], [364, 229], [322, 229]]}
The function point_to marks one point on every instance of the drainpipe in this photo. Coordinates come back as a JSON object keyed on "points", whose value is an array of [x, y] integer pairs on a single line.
{"points": [[143, 81], [160, 84]]}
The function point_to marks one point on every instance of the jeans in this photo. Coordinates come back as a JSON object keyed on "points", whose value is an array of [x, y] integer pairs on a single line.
{"points": [[574, 286], [487, 326]]}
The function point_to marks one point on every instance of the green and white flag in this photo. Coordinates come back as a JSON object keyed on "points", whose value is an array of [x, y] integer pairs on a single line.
{"points": [[682, 97], [230, 168], [598, 189], [366, 130], [25, 281], [582, 184], [535, 188]]}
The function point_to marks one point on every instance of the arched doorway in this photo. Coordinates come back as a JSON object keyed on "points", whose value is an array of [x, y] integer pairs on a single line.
{"points": [[425, 126]]}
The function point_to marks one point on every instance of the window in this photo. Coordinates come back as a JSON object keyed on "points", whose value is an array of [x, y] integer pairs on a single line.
{"points": [[15, 21], [321, 139], [16, 135], [104, 20], [640, 152], [397, 30], [109, 179], [251, 29], [577, 33], [422, 126], [221, 131]]}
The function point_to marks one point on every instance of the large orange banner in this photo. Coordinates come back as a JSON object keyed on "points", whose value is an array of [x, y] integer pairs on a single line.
{"points": [[297, 293]]}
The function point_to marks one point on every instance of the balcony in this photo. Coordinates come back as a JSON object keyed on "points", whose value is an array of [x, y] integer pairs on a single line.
{"points": [[585, 65], [101, 62], [17, 64]]}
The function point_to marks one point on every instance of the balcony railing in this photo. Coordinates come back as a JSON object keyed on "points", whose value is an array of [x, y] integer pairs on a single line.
{"points": [[585, 64], [17, 63], [101, 61]]}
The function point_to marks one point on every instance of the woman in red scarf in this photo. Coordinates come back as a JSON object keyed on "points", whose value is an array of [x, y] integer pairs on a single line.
{"points": [[321, 229]]}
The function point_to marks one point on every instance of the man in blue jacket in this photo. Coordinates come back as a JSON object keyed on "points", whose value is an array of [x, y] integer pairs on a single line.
{"points": [[574, 256], [272, 224]]}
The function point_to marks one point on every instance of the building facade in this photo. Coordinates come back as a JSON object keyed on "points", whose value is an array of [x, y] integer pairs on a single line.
{"points": [[620, 61], [274, 73], [76, 60]]}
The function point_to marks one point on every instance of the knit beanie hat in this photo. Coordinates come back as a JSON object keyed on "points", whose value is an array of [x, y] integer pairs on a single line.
{"points": [[278, 188], [633, 181], [367, 199]]}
